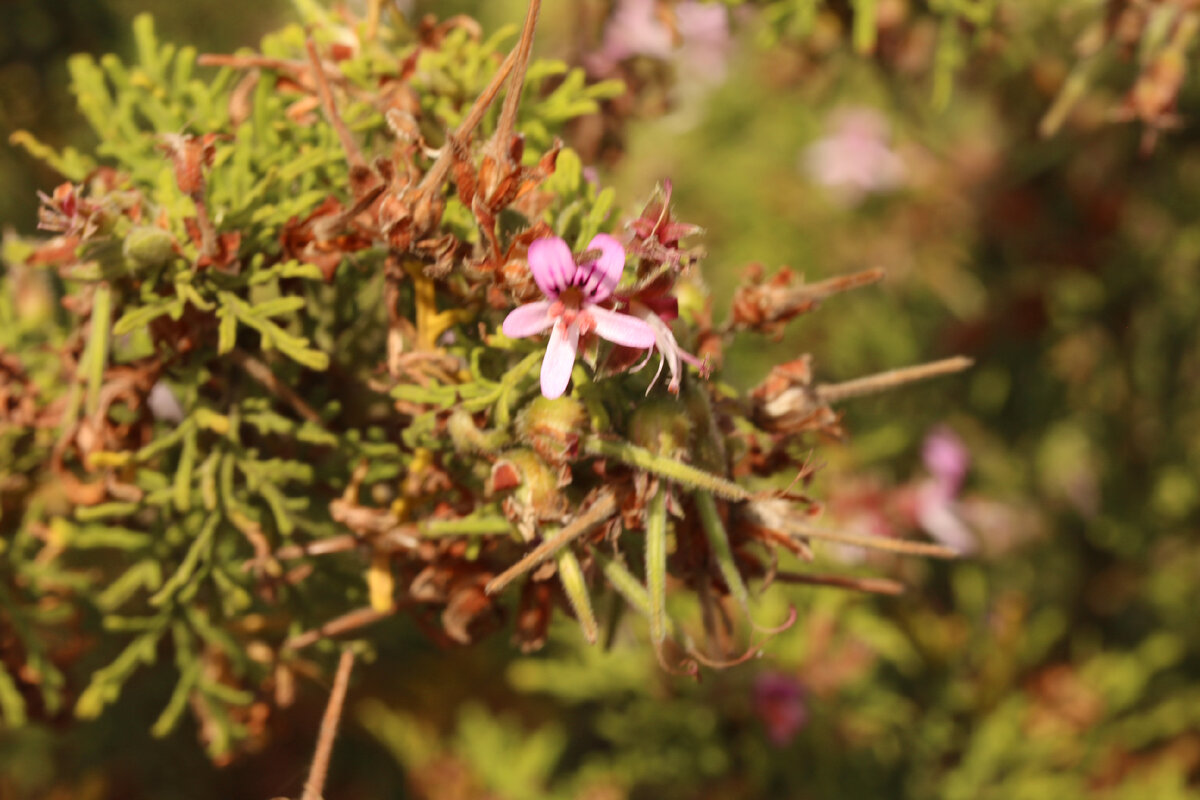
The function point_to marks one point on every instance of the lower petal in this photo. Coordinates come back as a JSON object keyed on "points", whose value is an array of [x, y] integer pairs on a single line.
{"points": [[622, 328], [527, 320], [559, 360]]}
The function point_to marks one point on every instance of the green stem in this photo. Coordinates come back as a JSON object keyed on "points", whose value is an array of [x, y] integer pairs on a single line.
{"points": [[674, 471], [575, 585], [656, 563], [97, 347], [718, 540], [466, 526]]}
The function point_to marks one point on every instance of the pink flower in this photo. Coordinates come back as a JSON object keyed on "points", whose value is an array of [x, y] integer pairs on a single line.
{"points": [[855, 159], [643, 28], [572, 310], [937, 507], [673, 356], [947, 458]]}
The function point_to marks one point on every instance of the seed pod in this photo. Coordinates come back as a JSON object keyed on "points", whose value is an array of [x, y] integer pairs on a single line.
{"points": [[535, 484], [148, 246], [553, 427], [662, 427]]}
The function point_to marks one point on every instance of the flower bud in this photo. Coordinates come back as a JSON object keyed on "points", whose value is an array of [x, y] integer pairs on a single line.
{"points": [[553, 427]]}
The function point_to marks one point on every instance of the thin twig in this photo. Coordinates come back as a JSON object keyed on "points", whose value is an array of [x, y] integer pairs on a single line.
{"points": [[798, 528], [883, 381], [263, 374], [315, 785], [872, 585], [354, 155], [338, 625], [320, 547], [512, 100], [601, 509], [437, 172], [835, 285]]}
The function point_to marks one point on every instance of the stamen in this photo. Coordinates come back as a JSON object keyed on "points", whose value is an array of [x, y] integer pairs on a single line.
{"points": [[585, 322]]}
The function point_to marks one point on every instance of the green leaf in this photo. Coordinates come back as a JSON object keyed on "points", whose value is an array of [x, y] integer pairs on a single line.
{"points": [[106, 683], [12, 704], [69, 163]]}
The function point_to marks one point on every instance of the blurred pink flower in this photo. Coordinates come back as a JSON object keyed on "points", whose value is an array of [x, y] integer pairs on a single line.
{"points": [[947, 458], [937, 507], [779, 703], [706, 44], [855, 159], [639, 28], [572, 310]]}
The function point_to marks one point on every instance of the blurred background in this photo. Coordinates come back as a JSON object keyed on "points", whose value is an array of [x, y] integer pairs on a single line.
{"points": [[1028, 174]]}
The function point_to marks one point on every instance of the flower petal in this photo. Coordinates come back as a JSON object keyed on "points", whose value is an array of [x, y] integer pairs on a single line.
{"points": [[622, 328], [559, 360], [552, 265], [527, 320], [598, 278]]}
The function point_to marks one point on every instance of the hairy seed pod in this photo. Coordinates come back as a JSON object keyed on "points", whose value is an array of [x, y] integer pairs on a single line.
{"points": [[662, 427], [535, 483], [148, 246], [553, 427]]}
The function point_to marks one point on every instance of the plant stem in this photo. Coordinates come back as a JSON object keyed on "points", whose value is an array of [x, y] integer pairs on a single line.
{"points": [[603, 507], [674, 471], [263, 374], [508, 113], [883, 381], [903, 546], [656, 563], [315, 785], [872, 585]]}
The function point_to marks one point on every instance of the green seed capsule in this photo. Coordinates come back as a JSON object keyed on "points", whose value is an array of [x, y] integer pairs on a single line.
{"points": [[147, 246], [662, 427], [553, 427]]}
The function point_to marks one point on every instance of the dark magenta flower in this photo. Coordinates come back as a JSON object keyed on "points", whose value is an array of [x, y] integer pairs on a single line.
{"points": [[779, 702], [572, 308]]}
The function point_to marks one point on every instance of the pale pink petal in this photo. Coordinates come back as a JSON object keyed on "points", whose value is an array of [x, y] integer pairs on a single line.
{"points": [[947, 458], [527, 320], [598, 278], [559, 360], [552, 265], [621, 328]]}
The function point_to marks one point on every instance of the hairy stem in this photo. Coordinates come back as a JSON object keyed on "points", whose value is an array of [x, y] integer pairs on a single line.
{"points": [[656, 563], [570, 573], [674, 471], [718, 541]]}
